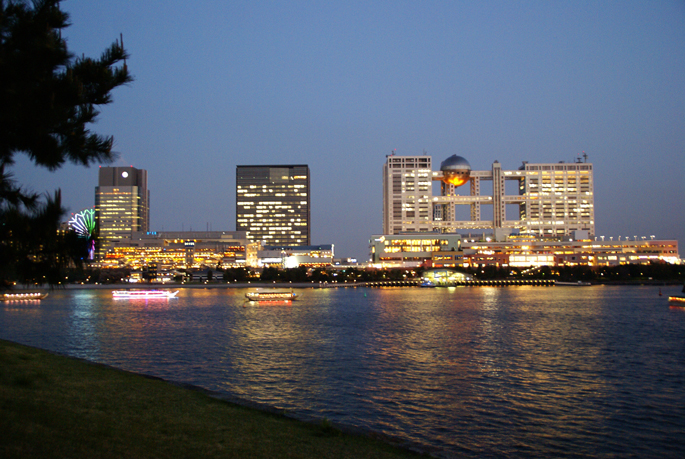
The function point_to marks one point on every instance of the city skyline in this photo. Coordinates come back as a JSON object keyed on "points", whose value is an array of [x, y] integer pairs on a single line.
{"points": [[340, 87]]}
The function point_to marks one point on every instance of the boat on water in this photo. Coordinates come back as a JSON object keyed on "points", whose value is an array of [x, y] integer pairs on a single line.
{"points": [[23, 296], [143, 294], [271, 295], [427, 284], [678, 300], [573, 284]]}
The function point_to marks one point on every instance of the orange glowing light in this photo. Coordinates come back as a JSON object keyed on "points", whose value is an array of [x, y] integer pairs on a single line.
{"points": [[456, 178]]}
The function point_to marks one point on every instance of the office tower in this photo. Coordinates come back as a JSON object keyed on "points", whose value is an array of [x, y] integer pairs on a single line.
{"points": [[407, 193], [553, 200], [122, 205], [273, 205], [558, 198]]}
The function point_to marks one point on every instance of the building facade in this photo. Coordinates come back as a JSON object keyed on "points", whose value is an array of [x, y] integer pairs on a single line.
{"points": [[557, 199], [519, 252], [312, 256], [406, 250], [273, 204], [171, 250], [122, 205], [551, 200], [407, 194], [457, 251]]}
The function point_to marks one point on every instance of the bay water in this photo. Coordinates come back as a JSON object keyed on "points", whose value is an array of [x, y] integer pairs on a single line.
{"points": [[469, 371]]}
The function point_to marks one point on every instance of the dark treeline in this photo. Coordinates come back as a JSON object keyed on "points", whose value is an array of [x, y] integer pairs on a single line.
{"points": [[658, 271], [654, 272]]}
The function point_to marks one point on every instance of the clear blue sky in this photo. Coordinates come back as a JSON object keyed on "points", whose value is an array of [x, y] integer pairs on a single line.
{"points": [[338, 85]]}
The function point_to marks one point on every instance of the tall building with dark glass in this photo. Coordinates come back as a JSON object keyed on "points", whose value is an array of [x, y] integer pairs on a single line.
{"points": [[122, 205], [273, 204]]}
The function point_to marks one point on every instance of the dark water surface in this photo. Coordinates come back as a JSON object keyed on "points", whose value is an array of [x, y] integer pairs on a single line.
{"points": [[474, 371]]}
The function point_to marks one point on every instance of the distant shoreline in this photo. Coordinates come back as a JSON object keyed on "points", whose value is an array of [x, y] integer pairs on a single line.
{"points": [[279, 285], [314, 285]]}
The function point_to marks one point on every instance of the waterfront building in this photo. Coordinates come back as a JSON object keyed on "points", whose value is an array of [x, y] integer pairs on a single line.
{"points": [[556, 199], [551, 201], [447, 259], [273, 204], [407, 194], [312, 256], [122, 205], [410, 250], [522, 252], [454, 251], [172, 250]]}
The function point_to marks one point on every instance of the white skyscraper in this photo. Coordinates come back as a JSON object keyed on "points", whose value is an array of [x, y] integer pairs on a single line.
{"points": [[407, 193]]}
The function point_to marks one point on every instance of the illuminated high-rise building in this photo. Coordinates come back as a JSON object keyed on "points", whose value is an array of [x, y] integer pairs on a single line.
{"points": [[407, 194], [556, 199], [552, 200], [122, 205], [273, 204]]}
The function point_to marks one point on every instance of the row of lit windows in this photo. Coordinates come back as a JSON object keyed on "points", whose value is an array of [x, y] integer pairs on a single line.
{"points": [[429, 248], [416, 242], [269, 204], [277, 194]]}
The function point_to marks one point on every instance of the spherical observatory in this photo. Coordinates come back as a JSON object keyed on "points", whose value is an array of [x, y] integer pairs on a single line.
{"points": [[455, 170]]}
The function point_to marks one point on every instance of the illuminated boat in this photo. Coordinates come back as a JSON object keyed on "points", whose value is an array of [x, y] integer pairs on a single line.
{"points": [[25, 296], [677, 299], [271, 295], [143, 294]]}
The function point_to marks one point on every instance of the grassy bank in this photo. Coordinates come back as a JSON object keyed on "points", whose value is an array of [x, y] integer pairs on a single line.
{"points": [[54, 406]]}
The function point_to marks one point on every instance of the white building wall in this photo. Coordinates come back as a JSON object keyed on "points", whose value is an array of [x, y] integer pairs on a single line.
{"points": [[407, 193], [558, 199]]}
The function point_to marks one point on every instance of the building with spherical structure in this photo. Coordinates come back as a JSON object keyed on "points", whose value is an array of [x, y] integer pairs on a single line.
{"points": [[455, 170], [552, 200]]}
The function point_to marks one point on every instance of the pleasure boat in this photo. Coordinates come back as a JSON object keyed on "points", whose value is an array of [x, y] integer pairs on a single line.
{"points": [[144, 294], [25, 296], [271, 295]]}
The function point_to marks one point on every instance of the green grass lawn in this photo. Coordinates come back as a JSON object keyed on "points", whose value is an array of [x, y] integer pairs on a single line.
{"points": [[57, 407]]}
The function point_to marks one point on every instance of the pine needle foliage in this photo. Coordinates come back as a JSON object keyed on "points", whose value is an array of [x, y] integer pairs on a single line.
{"points": [[49, 97]]}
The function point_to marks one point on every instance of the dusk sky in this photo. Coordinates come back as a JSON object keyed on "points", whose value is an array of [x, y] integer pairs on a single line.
{"points": [[339, 85]]}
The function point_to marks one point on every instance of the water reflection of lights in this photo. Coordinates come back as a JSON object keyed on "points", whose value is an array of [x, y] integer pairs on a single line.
{"points": [[489, 369], [269, 302]]}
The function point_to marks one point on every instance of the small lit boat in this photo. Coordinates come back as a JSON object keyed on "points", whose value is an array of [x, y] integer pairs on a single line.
{"points": [[427, 284], [26, 296], [677, 299], [143, 294], [270, 295]]}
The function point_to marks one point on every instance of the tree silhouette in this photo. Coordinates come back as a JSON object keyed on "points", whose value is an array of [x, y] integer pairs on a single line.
{"points": [[47, 100]]}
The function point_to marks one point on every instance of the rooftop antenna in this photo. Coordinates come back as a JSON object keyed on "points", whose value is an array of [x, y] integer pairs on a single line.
{"points": [[425, 152], [585, 157]]}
